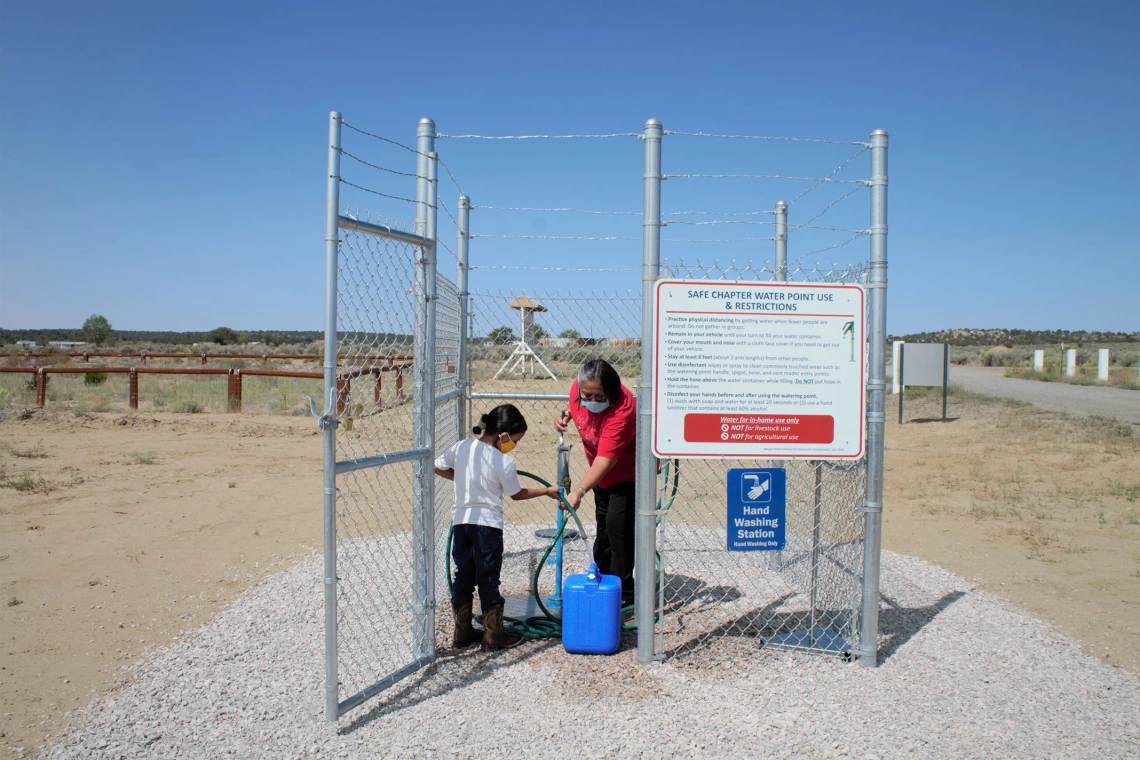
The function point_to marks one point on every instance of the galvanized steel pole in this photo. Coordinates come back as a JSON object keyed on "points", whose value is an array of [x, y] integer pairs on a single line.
{"points": [[328, 421], [776, 558], [423, 407], [781, 273], [876, 415], [462, 265], [645, 533]]}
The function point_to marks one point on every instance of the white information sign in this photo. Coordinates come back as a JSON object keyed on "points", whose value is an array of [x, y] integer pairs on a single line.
{"points": [[758, 370]]}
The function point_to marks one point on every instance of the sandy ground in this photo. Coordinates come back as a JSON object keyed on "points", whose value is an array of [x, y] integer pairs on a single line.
{"points": [[128, 530], [108, 558], [1037, 507]]}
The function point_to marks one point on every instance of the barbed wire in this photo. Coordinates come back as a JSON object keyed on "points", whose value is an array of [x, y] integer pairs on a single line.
{"points": [[575, 210], [850, 240], [820, 180], [446, 211], [376, 192], [451, 176], [770, 139], [714, 221], [384, 139], [536, 137], [440, 242], [829, 206], [555, 237], [833, 229], [380, 168], [717, 213], [741, 221], [718, 240], [405, 147], [552, 269], [840, 168]]}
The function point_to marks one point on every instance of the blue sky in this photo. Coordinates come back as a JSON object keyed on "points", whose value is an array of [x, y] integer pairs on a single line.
{"points": [[163, 164]]}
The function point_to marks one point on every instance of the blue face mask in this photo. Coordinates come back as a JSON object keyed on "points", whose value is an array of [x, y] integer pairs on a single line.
{"points": [[597, 407]]}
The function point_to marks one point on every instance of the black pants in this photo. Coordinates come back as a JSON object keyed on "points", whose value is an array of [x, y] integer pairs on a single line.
{"points": [[477, 552], [613, 548]]}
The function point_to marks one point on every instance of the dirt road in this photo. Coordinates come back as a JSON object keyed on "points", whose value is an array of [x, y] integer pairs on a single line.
{"points": [[1077, 400]]}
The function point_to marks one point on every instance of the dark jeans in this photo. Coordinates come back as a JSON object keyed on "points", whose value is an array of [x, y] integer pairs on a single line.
{"points": [[613, 548], [477, 552]]}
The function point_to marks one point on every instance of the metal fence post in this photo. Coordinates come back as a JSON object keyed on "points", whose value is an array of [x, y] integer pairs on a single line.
{"points": [[462, 264], [776, 558], [645, 536], [328, 422], [876, 415], [423, 412], [781, 236]]}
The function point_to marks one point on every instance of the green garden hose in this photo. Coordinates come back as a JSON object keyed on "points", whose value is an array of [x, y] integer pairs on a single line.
{"points": [[546, 626]]}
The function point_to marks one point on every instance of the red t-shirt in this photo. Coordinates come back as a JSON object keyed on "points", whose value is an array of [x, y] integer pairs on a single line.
{"points": [[610, 434]]}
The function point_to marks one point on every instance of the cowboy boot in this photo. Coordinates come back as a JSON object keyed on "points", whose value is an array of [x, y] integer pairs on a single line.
{"points": [[465, 633], [494, 636]]}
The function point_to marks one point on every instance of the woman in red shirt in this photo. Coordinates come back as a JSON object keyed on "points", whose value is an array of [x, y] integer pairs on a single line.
{"points": [[605, 413]]}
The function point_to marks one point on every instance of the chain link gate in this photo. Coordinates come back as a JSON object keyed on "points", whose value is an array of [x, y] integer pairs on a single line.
{"points": [[392, 399]]}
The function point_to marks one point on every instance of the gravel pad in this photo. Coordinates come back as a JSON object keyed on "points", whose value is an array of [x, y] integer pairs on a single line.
{"points": [[963, 675]]}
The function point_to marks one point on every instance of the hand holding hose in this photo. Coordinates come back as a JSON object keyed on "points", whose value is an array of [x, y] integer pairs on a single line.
{"points": [[574, 499]]}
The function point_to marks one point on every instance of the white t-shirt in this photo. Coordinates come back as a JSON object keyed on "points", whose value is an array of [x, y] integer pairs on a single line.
{"points": [[483, 475]]}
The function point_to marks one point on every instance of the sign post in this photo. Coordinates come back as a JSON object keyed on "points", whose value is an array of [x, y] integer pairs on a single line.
{"points": [[762, 370], [925, 364]]}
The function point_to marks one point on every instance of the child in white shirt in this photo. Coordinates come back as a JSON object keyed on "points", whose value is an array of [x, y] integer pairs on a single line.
{"points": [[483, 473]]}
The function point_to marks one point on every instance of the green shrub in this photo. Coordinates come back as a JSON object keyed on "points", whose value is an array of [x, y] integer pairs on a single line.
{"points": [[97, 329], [94, 378], [188, 407], [223, 336]]}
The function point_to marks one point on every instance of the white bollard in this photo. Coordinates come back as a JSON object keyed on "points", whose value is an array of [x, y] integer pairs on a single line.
{"points": [[895, 352], [1039, 361], [1070, 362], [1102, 365]]}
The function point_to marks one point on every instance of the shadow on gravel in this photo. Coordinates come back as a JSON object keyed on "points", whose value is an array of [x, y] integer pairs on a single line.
{"points": [[898, 625], [681, 590], [753, 626], [453, 669], [922, 420]]}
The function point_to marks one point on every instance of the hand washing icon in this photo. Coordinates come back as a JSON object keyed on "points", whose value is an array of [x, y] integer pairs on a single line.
{"points": [[756, 486]]}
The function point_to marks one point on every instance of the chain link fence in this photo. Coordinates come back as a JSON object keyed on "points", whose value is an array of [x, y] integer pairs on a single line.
{"points": [[712, 598], [806, 596], [422, 358], [528, 355], [374, 507]]}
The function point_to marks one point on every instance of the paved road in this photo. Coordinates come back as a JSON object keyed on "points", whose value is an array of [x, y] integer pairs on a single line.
{"points": [[1081, 400]]}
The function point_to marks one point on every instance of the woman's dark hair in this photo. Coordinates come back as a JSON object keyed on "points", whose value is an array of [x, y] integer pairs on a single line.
{"points": [[505, 418], [600, 370]]}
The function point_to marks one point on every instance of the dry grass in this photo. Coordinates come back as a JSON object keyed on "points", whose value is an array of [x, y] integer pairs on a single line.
{"points": [[1036, 505], [1124, 377]]}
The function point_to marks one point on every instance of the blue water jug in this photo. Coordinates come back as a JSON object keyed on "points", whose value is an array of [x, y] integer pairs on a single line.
{"points": [[591, 613]]}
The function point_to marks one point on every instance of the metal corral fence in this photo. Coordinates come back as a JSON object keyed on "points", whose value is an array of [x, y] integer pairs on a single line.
{"points": [[386, 521], [378, 367]]}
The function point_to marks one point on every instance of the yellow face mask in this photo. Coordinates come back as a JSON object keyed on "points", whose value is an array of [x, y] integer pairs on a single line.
{"points": [[506, 446]]}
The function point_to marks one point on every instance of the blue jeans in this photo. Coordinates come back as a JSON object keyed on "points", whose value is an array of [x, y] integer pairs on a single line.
{"points": [[477, 552]]}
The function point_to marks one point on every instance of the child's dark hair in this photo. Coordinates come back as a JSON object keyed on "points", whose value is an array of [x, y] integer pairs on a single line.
{"points": [[600, 370], [505, 418]]}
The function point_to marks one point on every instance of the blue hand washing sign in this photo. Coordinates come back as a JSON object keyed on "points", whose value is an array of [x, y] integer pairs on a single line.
{"points": [[757, 501]]}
